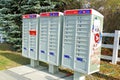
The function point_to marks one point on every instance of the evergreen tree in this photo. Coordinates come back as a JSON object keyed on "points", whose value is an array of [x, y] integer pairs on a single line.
{"points": [[11, 12], [10, 21]]}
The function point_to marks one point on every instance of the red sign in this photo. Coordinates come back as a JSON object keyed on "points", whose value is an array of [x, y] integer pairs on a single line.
{"points": [[97, 38], [32, 32]]}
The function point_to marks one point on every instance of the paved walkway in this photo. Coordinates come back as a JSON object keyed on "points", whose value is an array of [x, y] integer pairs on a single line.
{"points": [[28, 73]]}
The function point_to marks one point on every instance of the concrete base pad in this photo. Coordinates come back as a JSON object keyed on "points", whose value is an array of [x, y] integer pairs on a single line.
{"points": [[29, 73]]}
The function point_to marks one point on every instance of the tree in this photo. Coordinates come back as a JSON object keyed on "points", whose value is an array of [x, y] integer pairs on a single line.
{"points": [[11, 12], [11, 22], [67, 5], [111, 11]]}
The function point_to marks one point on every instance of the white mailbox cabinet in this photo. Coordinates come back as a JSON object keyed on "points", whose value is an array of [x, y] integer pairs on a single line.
{"points": [[50, 42], [30, 36], [82, 40]]}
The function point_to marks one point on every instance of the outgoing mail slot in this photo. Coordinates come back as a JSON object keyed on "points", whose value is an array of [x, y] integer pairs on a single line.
{"points": [[32, 33]]}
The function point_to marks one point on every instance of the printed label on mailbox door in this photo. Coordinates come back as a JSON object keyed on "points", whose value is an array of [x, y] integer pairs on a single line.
{"points": [[96, 36]]}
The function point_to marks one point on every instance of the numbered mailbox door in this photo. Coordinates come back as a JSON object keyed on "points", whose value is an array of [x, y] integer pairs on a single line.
{"points": [[51, 37], [79, 37], [43, 41], [31, 36], [25, 35], [68, 41]]}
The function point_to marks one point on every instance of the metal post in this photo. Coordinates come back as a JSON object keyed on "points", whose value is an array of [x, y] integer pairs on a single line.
{"points": [[53, 69], [34, 63], [79, 76], [115, 47]]}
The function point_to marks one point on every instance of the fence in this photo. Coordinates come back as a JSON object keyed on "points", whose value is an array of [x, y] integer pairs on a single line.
{"points": [[115, 46]]}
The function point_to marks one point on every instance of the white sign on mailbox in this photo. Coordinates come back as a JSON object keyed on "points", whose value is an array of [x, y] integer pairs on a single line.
{"points": [[30, 36], [50, 37], [82, 40]]}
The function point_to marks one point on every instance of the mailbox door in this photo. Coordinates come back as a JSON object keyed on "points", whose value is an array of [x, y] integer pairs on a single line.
{"points": [[82, 42], [53, 43], [33, 36], [68, 41], [43, 41], [25, 38]]}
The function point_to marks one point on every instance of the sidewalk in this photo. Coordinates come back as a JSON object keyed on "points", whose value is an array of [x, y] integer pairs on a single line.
{"points": [[28, 73]]}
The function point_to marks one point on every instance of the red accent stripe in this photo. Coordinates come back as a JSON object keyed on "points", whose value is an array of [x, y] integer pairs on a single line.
{"points": [[45, 14], [71, 12], [77, 12], [90, 11], [25, 16], [29, 16]]}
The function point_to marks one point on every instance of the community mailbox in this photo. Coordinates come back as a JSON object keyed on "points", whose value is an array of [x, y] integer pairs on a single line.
{"points": [[50, 37], [30, 36], [82, 40]]}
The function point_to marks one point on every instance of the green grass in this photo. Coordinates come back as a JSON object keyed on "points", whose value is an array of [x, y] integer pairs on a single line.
{"points": [[108, 71], [10, 59]]}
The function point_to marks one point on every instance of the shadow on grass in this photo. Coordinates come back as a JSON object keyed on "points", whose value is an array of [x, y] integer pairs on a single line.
{"points": [[103, 76], [18, 58], [15, 57]]}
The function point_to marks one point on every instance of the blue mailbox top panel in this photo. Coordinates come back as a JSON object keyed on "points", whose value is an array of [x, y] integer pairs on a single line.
{"points": [[30, 16], [78, 12], [50, 14]]}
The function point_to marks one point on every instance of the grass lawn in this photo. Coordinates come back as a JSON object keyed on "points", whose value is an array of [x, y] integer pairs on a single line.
{"points": [[108, 71], [10, 59]]}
